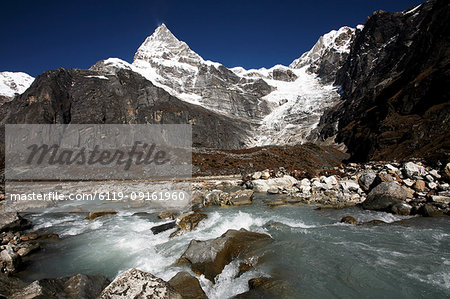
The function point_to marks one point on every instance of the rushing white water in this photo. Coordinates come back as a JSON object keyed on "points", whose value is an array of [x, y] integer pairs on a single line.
{"points": [[312, 251]]}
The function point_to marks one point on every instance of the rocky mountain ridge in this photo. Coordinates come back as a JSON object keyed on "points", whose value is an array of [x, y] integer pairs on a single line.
{"points": [[395, 85]]}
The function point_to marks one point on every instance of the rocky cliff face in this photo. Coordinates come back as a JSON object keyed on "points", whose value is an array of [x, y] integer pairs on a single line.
{"points": [[83, 96], [328, 54], [395, 83]]}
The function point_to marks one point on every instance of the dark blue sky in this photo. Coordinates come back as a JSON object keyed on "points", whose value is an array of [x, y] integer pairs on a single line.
{"points": [[41, 35]]}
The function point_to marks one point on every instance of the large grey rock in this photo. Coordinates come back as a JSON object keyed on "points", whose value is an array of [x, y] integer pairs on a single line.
{"points": [[411, 170], [367, 179], [383, 196], [9, 259], [76, 287], [187, 222], [211, 256], [135, 283]]}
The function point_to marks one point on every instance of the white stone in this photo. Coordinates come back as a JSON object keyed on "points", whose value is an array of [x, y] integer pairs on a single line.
{"points": [[257, 175], [263, 185], [412, 169], [350, 186]]}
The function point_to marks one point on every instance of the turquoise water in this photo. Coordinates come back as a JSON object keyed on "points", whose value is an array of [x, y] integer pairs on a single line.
{"points": [[317, 255]]}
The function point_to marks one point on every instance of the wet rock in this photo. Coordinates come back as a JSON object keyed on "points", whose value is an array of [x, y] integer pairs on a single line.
{"points": [[265, 287], [411, 170], [12, 221], [28, 248], [190, 221], [10, 260], [49, 236], [429, 210], [216, 197], [348, 220], [9, 285], [95, 215], [78, 286], [401, 209], [168, 215], [163, 227], [141, 214], [211, 256], [241, 197], [374, 222], [135, 283], [187, 286], [367, 179], [383, 196]]}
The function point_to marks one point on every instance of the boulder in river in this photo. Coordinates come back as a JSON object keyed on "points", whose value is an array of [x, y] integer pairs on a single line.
{"points": [[135, 283], [168, 215], [78, 286], [211, 256], [187, 286], [266, 287], [384, 196], [163, 227], [241, 197], [401, 209], [95, 215], [348, 220], [429, 210]]}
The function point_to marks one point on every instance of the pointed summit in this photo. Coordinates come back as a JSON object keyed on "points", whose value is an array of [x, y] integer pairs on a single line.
{"points": [[163, 44]]}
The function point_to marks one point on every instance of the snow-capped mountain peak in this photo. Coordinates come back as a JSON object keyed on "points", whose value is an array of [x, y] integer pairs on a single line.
{"points": [[12, 83], [162, 44]]}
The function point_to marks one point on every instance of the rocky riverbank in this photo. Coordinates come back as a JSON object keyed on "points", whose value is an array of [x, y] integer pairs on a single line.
{"points": [[410, 188]]}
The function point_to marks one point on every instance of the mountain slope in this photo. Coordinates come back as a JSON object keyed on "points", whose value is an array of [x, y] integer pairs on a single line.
{"points": [[282, 104], [83, 96], [396, 85]]}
